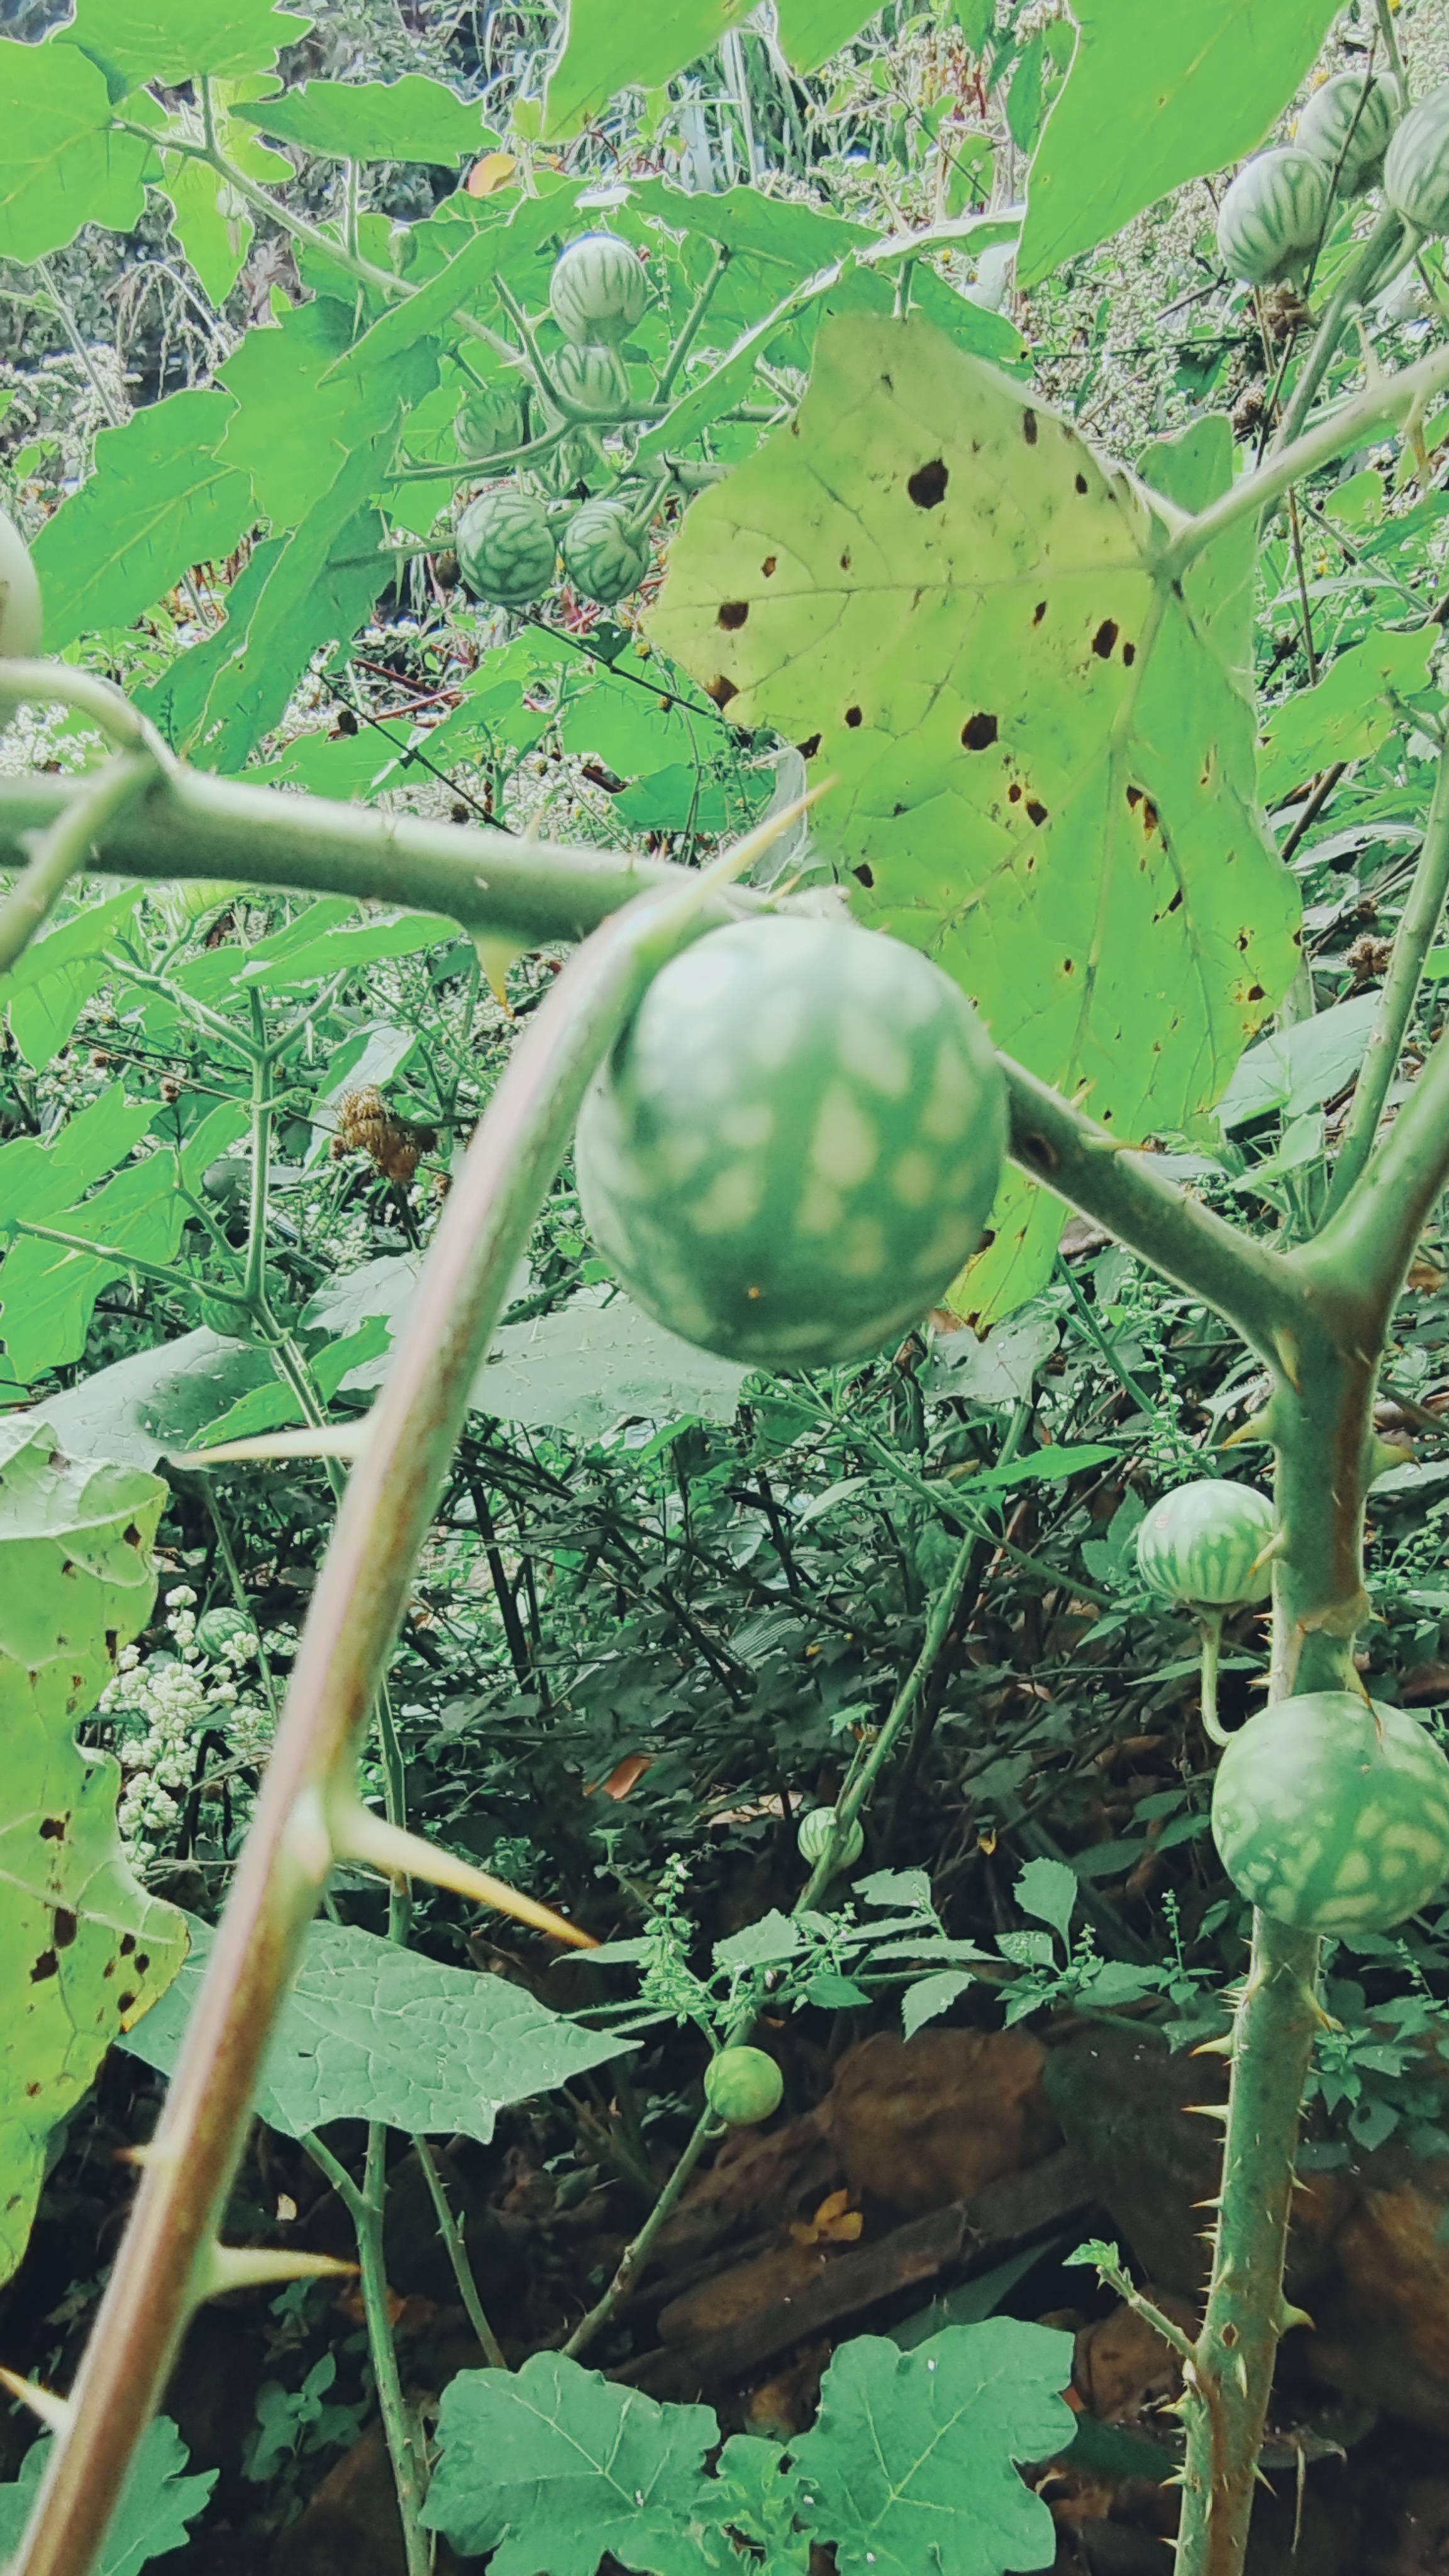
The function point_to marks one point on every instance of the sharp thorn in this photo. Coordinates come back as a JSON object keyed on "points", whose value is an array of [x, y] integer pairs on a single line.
{"points": [[357, 1834], [247, 2267], [53, 2411]]}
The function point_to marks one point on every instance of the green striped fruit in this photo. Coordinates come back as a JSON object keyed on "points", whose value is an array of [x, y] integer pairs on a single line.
{"points": [[605, 554], [795, 1143], [1333, 1815], [218, 1629], [743, 2085], [598, 289], [592, 378], [1198, 1546], [20, 619], [506, 548], [490, 421], [814, 1834], [1273, 215], [1347, 125], [1416, 166]]}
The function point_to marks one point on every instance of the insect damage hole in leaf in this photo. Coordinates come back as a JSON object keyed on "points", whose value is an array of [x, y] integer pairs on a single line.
{"points": [[927, 486]]}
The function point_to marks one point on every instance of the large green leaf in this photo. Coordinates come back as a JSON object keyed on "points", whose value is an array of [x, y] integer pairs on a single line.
{"points": [[412, 119], [1156, 95], [177, 702], [554, 2465], [139, 1409], [373, 2032], [1045, 763], [45, 993], [158, 500], [171, 40], [291, 431], [318, 591], [1354, 707], [908, 2468], [60, 165], [156, 2503], [84, 1951], [577, 1370], [610, 49]]}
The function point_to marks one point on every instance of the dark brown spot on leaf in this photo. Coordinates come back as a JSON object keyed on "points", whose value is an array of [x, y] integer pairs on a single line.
{"points": [[978, 733], [1028, 427], [125, 2004], [1255, 992], [1036, 810], [732, 614], [852, 717], [1081, 482], [864, 874], [720, 689], [130, 1535], [128, 1943], [1014, 793], [927, 486], [768, 566], [143, 1962], [63, 1927], [1105, 638], [1040, 612], [1129, 654], [52, 1828], [845, 560], [1176, 901], [47, 1965], [809, 748], [1068, 966]]}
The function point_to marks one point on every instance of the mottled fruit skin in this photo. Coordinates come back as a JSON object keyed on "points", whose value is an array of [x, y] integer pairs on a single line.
{"points": [[592, 378], [1273, 215], [1347, 125], [489, 422], [217, 1629], [506, 548], [1198, 1545], [20, 617], [605, 555], [743, 2085], [795, 1143], [1333, 1815], [1416, 166], [598, 289], [814, 1834]]}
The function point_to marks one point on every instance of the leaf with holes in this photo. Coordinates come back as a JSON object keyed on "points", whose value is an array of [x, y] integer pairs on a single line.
{"points": [[1045, 760], [84, 1951]]}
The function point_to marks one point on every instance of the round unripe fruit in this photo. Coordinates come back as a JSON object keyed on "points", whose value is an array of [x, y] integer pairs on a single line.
{"points": [[1416, 167], [506, 548], [20, 617], [1273, 215], [1333, 1815], [489, 422], [592, 378], [743, 2085], [795, 1143], [605, 555], [598, 289], [1347, 125], [1198, 1545], [814, 1834], [218, 1629]]}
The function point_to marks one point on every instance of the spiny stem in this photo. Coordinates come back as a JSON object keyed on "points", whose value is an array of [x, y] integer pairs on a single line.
{"points": [[457, 2252], [365, 2209]]}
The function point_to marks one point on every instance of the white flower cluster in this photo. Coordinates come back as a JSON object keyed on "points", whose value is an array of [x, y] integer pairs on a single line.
{"points": [[165, 1704]]}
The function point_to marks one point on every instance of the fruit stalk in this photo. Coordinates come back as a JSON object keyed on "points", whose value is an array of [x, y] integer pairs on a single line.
{"points": [[385, 1515]]}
